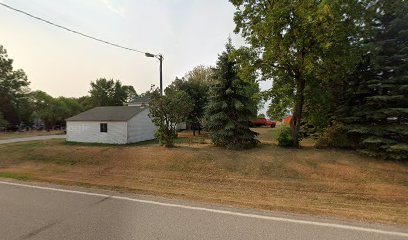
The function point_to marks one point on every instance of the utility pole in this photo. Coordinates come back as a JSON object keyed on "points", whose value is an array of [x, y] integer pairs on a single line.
{"points": [[160, 57]]}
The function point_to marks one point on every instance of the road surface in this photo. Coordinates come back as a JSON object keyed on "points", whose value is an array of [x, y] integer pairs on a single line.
{"points": [[54, 212], [34, 138]]}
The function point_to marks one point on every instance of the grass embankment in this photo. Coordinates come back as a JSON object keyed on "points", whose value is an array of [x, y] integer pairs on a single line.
{"points": [[9, 135], [308, 180]]}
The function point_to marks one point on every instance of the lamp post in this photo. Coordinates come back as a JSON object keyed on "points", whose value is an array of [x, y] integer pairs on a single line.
{"points": [[160, 57]]}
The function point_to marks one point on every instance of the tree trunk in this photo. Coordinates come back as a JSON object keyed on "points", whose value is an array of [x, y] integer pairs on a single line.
{"points": [[297, 113]]}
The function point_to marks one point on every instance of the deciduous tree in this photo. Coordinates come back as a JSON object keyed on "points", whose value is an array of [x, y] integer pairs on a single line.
{"points": [[167, 111], [299, 43], [110, 93], [13, 91]]}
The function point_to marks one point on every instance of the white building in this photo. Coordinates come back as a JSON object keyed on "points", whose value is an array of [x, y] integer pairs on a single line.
{"points": [[114, 125], [144, 101]]}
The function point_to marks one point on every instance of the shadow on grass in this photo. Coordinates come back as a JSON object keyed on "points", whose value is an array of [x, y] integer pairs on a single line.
{"points": [[142, 143]]}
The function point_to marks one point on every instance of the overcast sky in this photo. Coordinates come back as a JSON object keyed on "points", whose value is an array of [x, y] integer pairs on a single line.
{"points": [[187, 32]]}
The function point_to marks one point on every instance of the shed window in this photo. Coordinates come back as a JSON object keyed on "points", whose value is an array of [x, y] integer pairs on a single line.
{"points": [[104, 127]]}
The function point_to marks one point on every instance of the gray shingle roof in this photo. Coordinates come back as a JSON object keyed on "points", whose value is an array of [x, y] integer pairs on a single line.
{"points": [[143, 99], [113, 113]]}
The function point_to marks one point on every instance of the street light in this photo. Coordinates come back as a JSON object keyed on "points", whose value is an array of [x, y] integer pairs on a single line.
{"points": [[160, 57]]}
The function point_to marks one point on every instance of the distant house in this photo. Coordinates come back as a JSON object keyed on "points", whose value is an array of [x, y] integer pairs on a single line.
{"points": [[286, 120], [140, 101], [114, 125]]}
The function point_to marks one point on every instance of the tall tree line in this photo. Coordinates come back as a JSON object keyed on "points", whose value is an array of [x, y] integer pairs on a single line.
{"points": [[373, 112], [334, 62], [20, 107]]}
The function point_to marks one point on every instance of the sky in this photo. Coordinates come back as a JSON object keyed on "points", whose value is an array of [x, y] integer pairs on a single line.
{"points": [[187, 32]]}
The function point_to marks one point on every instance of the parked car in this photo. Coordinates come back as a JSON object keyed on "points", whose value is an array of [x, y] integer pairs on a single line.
{"points": [[262, 122]]}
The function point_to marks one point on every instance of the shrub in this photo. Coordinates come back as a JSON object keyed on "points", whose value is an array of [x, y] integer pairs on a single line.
{"points": [[336, 136], [285, 137]]}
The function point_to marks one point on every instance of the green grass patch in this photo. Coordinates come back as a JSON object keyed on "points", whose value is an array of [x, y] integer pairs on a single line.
{"points": [[17, 176]]}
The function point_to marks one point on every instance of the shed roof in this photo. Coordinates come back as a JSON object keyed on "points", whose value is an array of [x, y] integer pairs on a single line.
{"points": [[112, 113]]}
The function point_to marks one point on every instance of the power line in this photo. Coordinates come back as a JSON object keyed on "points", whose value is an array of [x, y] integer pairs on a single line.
{"points": [[70, 30]]}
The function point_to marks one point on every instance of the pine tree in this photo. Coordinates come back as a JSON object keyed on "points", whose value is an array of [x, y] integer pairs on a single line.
{"points": [[230, 106], [377, 110]]}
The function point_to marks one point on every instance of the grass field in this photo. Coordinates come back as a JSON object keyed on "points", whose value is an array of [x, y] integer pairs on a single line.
{"points": [[312, 181], [9, 135]]}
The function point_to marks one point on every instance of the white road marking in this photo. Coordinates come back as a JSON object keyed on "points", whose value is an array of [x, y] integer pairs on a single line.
{"points": [[279, 219]]}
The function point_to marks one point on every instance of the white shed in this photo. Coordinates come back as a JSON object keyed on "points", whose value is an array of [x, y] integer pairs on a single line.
{"points": [[114, 125]]}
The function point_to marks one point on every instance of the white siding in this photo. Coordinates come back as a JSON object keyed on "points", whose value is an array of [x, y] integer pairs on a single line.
{"points": [[89, 131], [181, 126], [140, 128]]}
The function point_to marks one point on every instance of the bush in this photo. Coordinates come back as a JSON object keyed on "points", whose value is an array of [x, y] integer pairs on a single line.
{"points": [[336, 136], [285, 138]]}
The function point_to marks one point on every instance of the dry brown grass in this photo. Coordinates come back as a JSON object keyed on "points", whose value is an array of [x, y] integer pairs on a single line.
{"points": [[9, 135], [308, 180]]}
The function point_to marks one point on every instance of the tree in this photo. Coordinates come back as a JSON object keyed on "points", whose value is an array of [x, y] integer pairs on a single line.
{"points": [[246, 60], [3, 122], [65, 108], [261, 115], [13, 91], [45, 108], [376, 109], [201, 74], [110, 93], [301, 44], [198, 92], [167, 111], [131, 94], [85, 103], [230, 106]]}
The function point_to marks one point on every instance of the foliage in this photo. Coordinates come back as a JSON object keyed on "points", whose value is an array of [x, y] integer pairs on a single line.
{"points": [[167, 111], [131, 94], [336, 136], [110, 93], [301, 43], [19, 107], [3, 122], [200, 73], [85, 102], [285, 137], [53, 111], [376, 109], [247, 61], [196, 84], [230, 106], [13, 91]]}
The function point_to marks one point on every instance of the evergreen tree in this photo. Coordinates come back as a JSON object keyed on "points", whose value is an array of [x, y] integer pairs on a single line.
{"points": [[230, 106], [376, 114]]}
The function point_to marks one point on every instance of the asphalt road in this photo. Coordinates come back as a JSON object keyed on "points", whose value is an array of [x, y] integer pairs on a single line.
{"points": [[34, 138], [56, 212]]}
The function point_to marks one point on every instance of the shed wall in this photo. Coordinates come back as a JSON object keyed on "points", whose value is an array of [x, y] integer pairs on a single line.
{"points": [[141, 128], [89, 131]]}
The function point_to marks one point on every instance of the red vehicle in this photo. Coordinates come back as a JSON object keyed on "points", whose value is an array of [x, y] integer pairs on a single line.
{"points": [[262, 122]]}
